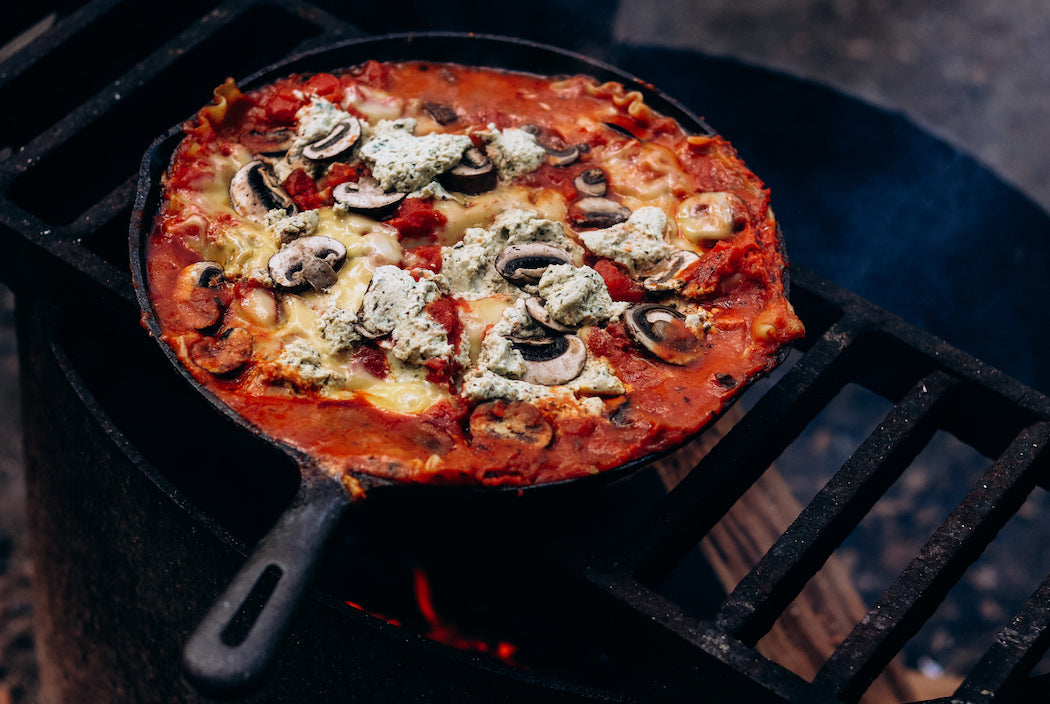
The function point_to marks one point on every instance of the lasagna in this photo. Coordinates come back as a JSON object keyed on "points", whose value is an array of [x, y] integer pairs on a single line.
{"points": [[447, 274]]}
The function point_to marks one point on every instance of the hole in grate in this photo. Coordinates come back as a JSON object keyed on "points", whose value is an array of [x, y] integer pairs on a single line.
{"points": [[991, 592], [877, 551], [827, 442], [110, 240], [56, 83], [111, 147]]}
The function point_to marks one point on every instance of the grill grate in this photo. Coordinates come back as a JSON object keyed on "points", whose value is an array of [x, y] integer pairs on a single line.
{"points": [[932, 386], [95, 131]]}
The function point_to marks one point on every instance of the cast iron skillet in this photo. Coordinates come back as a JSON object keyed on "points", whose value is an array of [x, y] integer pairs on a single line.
{"points": [[230, 652]]}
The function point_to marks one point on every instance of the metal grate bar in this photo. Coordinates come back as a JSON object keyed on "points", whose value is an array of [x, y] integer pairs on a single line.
{"points": [[1017, 649], [702, 498], [685, 654], [766, 591], [959, 541]]}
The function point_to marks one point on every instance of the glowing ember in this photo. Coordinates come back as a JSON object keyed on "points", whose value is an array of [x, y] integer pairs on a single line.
{"points": [[443, 631]]}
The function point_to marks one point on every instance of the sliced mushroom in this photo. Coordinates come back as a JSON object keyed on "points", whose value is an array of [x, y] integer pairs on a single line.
{"points": [[254, 191], [536, 308], [273, 144], [441, 113], [666, 276], [591, 183], [664, 332], [523, 264], [561, 157], [714, 215], [207, 274], [558, 156], [223, 354], [554, 360], [516, 420], [598, 213], [195, 293], [340, 140], [474, 174], [308, 261], [367, 199]]}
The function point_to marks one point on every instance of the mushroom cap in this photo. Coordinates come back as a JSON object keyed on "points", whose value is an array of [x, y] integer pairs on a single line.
{"points": [[367, 199], [196, 296], [562, 157], [307, 262], [473, 175], [591, 183], [440, 113], [207, 274], [254, 191], [713, 215], [342, 138], [223, 354], [668, 275], [514, 421], [525, 263], [598, 213], [538, 310], [663, 331], [553, 360]]}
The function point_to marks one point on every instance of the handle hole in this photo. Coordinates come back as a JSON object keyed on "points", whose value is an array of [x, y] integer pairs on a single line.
{"points": [[236, 632]]}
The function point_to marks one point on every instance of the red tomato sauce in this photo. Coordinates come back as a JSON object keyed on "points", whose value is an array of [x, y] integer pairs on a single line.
{"points": [[738, 278]]}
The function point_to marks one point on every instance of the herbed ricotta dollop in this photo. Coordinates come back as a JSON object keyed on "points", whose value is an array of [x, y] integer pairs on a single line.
{"points": [[639, 244], [403, 162], [577, 296], [500, 366], [290, 227], [306, 361], [395, 304], [469, 264], [514, 152]]}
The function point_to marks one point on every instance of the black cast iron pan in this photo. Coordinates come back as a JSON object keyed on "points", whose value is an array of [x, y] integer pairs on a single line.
{"points": [[240, 635]]}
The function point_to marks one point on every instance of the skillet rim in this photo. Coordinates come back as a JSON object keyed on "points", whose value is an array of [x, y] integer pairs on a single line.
{"points": [[157, 157]]}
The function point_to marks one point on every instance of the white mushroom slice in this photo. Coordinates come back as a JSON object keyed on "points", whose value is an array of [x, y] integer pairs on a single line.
{"points": [[516, 421], [598, 213], [664, 332], [206, 274], [366, 199], [223, 354], [523, 264], [340, 140], [561, 157], [715, 215], [195, 294], [473, 175], [308, 261], [254, 192], [440, 113], [666, 276], [551, 361], [591, 183], [536, 308]]}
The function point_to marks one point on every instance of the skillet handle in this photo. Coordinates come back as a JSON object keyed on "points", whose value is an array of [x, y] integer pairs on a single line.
{"points": [[236, 641]]}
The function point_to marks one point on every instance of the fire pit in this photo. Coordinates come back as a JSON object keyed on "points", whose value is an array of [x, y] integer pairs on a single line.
{"points": [[132, 541]]}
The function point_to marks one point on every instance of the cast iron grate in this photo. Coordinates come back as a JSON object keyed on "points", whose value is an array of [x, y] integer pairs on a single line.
{"points": [[96, 131], [933, 387]]}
